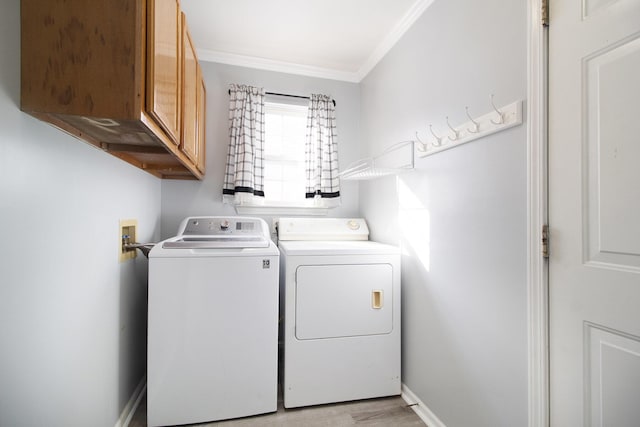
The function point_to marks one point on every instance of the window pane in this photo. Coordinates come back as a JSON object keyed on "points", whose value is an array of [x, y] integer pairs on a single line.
{"points": [[285, 128]]}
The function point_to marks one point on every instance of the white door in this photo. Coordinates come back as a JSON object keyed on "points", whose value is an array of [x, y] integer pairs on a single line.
{"points": [[594, 212]]}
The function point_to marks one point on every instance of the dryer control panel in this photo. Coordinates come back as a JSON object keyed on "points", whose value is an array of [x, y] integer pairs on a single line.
{"points": [[322, 229]]}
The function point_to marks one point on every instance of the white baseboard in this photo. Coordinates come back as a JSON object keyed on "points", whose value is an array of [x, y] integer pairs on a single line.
{"points": [[420, 408], [133, 403]]}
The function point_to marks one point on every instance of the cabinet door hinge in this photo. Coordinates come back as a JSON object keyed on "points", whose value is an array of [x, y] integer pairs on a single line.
{"points": [[544, 13], [545, 241]]}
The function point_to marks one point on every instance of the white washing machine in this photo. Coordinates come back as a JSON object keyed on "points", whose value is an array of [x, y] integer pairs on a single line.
{"points": [[341, 299], [213, 322]]}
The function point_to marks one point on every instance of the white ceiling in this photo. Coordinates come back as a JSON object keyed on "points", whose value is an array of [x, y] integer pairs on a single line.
{"points": [[338, 39]]}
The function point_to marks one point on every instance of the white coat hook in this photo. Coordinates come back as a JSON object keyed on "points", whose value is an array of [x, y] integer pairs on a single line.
{"points": [[438, 138], [500, 113], [476, 125], [421, 145], [456, 132]]}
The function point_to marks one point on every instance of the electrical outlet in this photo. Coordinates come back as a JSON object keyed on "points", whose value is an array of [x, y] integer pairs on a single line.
{"points": [[127, 235]]}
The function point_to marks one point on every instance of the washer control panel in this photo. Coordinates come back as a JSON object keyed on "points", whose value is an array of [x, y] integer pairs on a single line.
{"points": [[216, 226]]}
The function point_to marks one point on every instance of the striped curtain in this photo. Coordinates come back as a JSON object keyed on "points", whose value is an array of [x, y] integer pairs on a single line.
{"points": [[321, 149], [244, 173]]}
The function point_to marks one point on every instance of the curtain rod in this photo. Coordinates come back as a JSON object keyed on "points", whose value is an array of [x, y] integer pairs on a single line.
{"points": [[290, 96]]}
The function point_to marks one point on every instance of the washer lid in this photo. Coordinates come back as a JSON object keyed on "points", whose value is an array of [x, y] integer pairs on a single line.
{"points": [[322, 229], [213, 242]]}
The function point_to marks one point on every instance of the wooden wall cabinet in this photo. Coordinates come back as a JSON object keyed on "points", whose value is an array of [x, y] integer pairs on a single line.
{"points": [[110, 72]]}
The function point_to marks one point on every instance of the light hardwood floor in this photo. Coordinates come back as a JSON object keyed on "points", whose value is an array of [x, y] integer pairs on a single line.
{"points": [[382, 412]]}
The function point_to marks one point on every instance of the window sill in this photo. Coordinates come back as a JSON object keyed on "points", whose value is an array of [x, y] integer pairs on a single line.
{"points": [[280, 210]]}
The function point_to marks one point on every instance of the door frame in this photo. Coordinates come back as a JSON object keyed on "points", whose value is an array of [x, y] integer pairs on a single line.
{"points": [[537, 216]]}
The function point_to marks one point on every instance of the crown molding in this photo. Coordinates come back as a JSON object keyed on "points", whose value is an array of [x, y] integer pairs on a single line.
{"points": [[273, 65], [379, 52], [392, 38]]}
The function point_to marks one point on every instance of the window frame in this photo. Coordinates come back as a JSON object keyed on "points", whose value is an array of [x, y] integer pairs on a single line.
{"points": [[282, 207]]}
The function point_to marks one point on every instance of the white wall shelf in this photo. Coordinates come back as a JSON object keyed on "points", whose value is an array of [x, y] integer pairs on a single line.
{"points": [[392, 161]]}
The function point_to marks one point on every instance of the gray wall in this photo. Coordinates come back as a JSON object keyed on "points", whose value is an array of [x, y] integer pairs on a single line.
{"points": [[72, 318], [184, 198], [460, 216]]}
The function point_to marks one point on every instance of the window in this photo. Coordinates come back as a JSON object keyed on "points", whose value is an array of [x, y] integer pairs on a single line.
{"points": [[284, 161], [284, 168]]}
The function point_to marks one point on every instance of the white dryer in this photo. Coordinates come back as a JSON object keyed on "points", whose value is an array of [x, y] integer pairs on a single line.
{"points": [[213, 322], [340, 294]]}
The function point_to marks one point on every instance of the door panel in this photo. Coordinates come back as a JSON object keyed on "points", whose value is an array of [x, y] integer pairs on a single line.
{"points": [[613, 189], [613, 376], [201, 109], [343, 300], [164, 75], [212, 338], [190, 86], [594, 211]]}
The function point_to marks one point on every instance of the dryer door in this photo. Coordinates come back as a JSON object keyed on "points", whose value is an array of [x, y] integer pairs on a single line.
{"points": [[343, 300]]}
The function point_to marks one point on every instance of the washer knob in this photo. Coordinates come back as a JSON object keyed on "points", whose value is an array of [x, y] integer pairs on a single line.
{"points": [[224, 225], [353, 224]]}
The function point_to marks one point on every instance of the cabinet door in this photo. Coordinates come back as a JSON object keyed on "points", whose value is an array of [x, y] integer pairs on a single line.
{"points": [[201, 115], [164, 74], [188, 144]]}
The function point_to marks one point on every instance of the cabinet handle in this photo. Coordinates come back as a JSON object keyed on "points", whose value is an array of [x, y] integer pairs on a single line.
{"points": [[376, 299]]}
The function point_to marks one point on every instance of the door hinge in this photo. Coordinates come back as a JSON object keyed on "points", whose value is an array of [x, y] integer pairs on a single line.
{"points": [[544, 13], [545, 241]]}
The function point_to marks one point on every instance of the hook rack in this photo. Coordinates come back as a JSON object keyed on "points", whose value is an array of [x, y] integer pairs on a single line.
{"points": [[403, 160], [495, 121]]}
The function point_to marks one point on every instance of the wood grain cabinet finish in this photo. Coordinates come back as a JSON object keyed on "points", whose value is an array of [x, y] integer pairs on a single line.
{"points": [[201, 120], [164, 78], [188, 144], [110, 73]]}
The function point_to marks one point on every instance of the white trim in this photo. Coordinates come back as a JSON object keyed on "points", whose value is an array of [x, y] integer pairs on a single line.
{"points": [[392, 38], [537, 266], [420, 408], [281, 210], [401, 27], [132, 405], [278, 66]]}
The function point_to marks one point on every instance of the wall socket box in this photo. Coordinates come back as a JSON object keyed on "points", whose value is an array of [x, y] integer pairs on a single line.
{"points": [[127, 235]]}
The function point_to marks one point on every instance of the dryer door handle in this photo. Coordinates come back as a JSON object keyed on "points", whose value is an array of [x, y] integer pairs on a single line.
{"points": [[377, 299]]}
